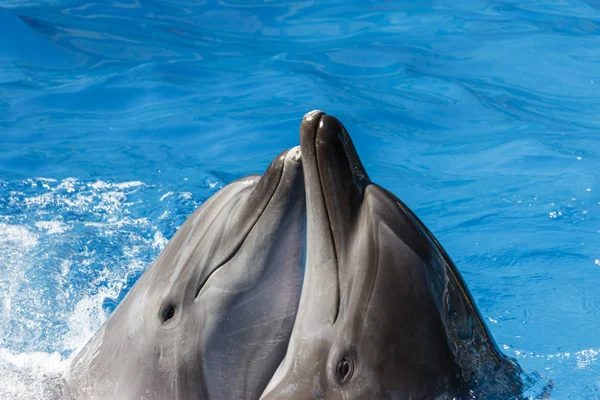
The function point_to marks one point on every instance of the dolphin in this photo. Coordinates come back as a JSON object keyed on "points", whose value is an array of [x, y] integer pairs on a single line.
{"points": [[212, 316], [384, 312]]}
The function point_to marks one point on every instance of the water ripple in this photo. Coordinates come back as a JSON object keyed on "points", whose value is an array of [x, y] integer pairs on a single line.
{"points": [[481, 115]]}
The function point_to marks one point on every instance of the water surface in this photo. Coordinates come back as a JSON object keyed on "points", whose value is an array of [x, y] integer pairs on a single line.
{"points": [[118, 119]]}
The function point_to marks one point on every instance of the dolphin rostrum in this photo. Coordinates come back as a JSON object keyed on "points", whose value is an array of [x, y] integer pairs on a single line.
{"points": [[212, 316], [384, 313]]}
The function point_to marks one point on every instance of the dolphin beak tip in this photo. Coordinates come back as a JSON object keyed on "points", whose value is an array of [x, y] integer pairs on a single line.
{"points": [[309, 116], [296, 154], [330, 131]]}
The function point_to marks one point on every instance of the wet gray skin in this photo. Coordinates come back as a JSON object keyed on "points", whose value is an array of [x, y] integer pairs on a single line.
{"points": [[212, 316], [384, 313]]}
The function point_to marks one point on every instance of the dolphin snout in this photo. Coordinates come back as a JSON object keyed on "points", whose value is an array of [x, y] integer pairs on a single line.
{"points": [[294, 154]]}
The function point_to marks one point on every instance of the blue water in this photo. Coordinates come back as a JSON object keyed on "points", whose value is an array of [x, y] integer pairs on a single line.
{"points": [[119, 118]]}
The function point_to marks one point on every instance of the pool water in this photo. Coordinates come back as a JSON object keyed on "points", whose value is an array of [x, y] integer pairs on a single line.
{"points": [[119, 118]]}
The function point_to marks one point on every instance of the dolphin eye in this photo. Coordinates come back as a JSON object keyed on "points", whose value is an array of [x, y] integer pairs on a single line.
{"points": [[344, 370], [167, 312]]}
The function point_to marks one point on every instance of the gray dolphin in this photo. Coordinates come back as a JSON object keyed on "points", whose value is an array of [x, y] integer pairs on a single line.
{"points": [[384, 313], [212, 316]]}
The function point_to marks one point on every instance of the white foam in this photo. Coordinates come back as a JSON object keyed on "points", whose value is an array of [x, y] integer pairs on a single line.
{"points": [[52, 227], [65, 267], [18, 237], [129, 185], [87, 317], [99, 185], [30, 375], [583, 358], [159, 241], [46, 242], [164, 196], [215, 184], [41, 200], [114, 222], [68, 184]]}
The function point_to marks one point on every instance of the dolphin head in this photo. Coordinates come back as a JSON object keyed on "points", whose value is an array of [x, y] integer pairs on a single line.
{"points": [[383, 311], [212, 316]]}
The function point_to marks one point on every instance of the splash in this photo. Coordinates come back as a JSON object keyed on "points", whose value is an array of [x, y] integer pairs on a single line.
{"points": [[69, 252], [30, 375]]}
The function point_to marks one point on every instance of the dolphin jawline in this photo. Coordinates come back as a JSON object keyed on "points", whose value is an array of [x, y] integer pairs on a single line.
{"points": [[273, 189]]}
